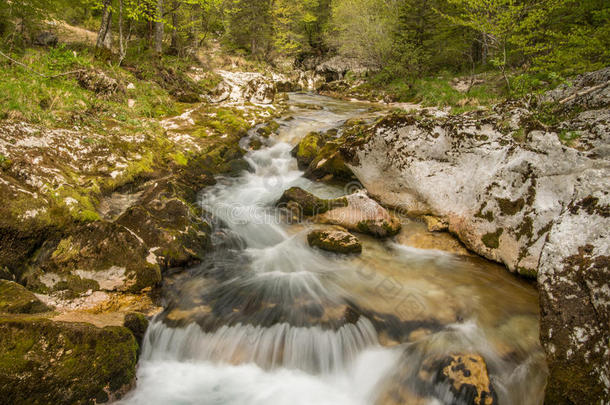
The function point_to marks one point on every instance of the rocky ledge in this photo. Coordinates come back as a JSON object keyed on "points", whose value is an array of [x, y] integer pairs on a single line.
{"points": [[531, 195]]}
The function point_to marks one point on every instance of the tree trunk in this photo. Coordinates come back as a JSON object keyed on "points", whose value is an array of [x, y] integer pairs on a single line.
{"points": [[122, 50], [174, 45], [159, 28], [105, 25]]}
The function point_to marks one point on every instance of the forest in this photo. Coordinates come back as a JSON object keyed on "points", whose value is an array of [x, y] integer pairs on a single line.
{"points": [[532, 43]]}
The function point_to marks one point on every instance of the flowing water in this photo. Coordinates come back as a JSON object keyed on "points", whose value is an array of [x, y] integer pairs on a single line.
{"points": [[269, 320]]}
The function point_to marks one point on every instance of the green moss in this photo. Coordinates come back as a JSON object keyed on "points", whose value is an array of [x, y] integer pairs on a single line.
{"points": [[568, 137], [179, 158], [526, 228], [492, 240], [66, 362], [65, 251], [14, 298], [508, 207], [519, 135]]}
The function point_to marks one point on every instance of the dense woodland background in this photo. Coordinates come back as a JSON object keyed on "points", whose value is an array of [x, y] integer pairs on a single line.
{"points": [[531, 44]]}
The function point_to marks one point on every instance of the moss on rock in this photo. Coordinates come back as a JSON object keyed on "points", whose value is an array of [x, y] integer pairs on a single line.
{"points": [[15, 299], [101, 254], [335, 239], [44, 362], [492, 239], [307, 203], [137, 324]]}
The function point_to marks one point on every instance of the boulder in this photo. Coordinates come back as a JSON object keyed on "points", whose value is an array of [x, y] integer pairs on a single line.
{"points": [[363, 214], [46, 38], [318, 154], [98, 82], [15, 299], [137, 324], [97, 256], [335, 239], [308, 148], [173, 229], [45, 362], [241, 87], [337, 67], [304, 202]]}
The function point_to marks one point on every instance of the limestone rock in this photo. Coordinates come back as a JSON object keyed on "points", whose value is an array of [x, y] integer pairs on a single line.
{"points": [[337, 67], [363, 214], [97, 256], [240, 87], [173, 229], [335, 239], [44, 362], [98, 82], [15, 299], [304, 202]]}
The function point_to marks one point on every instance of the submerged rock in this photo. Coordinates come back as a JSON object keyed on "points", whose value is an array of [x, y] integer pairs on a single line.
{"points": [[15, 299], [468, 378], [44, 362], [335, 239]]}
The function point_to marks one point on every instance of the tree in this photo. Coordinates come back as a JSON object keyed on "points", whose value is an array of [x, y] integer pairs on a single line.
{"points": [[497, 21], [250, 26], [363, 29]]}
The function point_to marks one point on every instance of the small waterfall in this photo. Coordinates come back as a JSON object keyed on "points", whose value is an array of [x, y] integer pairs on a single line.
{"points": [[312, 350]]}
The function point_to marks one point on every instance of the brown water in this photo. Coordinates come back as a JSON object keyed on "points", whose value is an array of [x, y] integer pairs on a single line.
{"points": [[268, 320]]}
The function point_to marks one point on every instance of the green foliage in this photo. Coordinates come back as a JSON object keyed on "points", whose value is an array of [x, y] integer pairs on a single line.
{"points": [[362, 29]]}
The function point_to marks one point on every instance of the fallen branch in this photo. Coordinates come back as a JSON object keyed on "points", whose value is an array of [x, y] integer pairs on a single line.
{"points": [[584, 92], [26, 67]]}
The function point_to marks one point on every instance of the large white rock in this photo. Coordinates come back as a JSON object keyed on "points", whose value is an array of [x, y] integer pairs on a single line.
{"points": [[536, 205], [241, 87]]}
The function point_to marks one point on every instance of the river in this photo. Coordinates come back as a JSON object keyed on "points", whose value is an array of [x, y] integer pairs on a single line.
{"points": [[269, 320]]}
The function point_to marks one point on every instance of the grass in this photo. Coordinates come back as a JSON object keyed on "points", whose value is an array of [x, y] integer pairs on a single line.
{"points": [[61, 102], [436, 91]]}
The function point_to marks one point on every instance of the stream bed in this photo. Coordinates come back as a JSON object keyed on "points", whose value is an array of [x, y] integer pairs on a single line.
{"points": [[266, 319]]}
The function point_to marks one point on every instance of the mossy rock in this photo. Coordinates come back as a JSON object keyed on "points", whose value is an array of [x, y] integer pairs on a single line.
{"points": [[308, 149], [46, 362], [16, 299], [308, 204], [170, 224], [103, 252], [335, 239], [319, 155], [137, 324]]}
